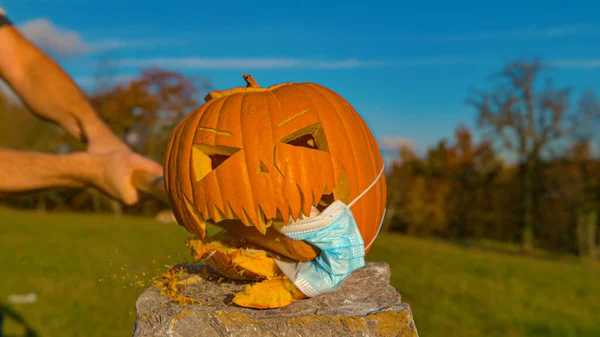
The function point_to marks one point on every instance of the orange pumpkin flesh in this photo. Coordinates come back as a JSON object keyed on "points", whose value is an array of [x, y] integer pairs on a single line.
{"points": [[274, 290], [270, 294], [272, 240], [258, 156], [235, 263]]}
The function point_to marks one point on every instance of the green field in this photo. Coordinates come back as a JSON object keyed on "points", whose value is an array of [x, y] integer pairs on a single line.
{"points": [[87, 272]]}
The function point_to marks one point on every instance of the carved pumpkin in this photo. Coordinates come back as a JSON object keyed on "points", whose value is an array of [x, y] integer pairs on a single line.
{"points": [[260, 155]]}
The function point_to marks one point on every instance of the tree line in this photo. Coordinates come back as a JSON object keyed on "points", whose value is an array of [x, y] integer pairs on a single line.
{"points": [[533, 178]]}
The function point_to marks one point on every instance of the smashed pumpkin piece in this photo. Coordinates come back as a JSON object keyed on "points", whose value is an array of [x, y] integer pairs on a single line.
{"points": [[226, 256], [272, 293], [172, 282], [235, 263]]}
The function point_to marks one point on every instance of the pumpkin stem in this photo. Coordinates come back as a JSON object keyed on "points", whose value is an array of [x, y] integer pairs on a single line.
{"points": [[250, 81]]}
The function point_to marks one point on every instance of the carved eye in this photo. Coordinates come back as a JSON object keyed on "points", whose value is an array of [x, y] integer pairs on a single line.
{"points": [[217, 159], [304, 141], [206, 158], [311, 137]]}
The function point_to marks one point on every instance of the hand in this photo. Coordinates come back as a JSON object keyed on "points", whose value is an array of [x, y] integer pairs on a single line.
{"points": [[334, 231], [118, 163], [102, 140], [115, 170]]}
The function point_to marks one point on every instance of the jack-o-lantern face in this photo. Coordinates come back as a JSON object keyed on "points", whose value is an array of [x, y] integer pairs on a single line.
{"points": [[267, 154]]}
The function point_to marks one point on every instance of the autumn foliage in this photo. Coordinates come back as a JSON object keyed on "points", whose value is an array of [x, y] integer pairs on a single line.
{"points": [[533, 179]]}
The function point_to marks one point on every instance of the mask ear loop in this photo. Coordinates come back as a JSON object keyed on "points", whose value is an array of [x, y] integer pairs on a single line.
{"points": [[380, 227], [384, 210], [368, 188]]}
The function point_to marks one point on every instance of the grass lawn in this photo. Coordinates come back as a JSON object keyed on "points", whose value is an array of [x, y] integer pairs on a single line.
{"points": [[87, 272]]}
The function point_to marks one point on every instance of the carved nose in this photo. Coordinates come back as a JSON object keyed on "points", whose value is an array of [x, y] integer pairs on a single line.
{"points": [[262, 168]]}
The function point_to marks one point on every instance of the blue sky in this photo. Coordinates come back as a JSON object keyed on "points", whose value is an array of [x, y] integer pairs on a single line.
{"points": [[407, 67]]}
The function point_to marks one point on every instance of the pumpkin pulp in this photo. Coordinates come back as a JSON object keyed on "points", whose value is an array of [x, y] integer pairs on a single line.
{"points": [[272, 290]]}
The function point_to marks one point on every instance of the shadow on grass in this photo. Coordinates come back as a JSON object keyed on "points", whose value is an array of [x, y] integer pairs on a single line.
{"points": [[7, 313]]}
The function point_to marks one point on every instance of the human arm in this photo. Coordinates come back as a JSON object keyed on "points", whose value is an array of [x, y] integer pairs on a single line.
{"points": [[27, 171], [48, 91]]}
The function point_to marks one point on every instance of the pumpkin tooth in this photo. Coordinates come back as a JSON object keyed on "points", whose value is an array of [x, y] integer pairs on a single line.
{"points": [[280, 220], [315, 197], [217, 215], [199, 221], [308, 202], [229, 213], [293, 215], [262, 223], [282, 214], [245, 218]]}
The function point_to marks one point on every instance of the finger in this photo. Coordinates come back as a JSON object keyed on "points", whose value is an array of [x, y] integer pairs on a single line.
{"points": [[146, 164], [129, 193], [130, 196]]}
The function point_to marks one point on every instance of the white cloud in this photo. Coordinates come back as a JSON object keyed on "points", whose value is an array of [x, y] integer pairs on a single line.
{"points": [[576, 63], [284, 63], [390, 149], [89, 81], [565, 30], [246, 63], [119, 44], [54, 40], [528, 33], [392, 144], [58, 41], [435, 61]]}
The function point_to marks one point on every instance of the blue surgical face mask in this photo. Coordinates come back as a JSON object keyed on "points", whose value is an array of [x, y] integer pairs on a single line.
{"points": [[335, 232]]}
